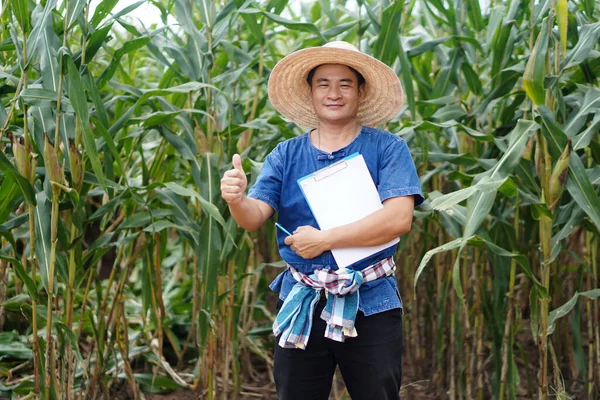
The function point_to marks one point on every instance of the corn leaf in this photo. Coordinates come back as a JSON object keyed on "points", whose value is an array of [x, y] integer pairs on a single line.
{"points": [[588, 38], [34, 42], [374, 20], [207, 206], [580, 187], [535, 70], [584, 138], [207, 12], [591, 104], [39, 97], [568, 306], [20, 9], [447, 201], [80, 104], [151, 380], [102, 10], [127, 48], [49, 46], [406, 79], [42, 214], [562, 17], [14, 223], [16, 350], [288, 23], [454, 244], [253, 26], [96, 40], [9, 169], [9, 192], [69, 337], [74, 11], [386, 47], [20, 271], [474, 13], [555, 137]]}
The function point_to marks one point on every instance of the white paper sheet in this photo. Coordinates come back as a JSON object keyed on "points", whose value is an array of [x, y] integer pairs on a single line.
{"points": [[341, 194]]}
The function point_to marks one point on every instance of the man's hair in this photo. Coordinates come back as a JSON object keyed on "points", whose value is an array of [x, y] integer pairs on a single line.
{"points": [[359, 77]]}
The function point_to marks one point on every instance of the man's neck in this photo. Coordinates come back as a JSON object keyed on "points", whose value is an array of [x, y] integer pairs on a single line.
{"points": [[331, 137]]}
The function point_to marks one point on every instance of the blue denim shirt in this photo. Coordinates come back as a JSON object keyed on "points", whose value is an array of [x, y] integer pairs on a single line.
{"points": [[392, 168]]}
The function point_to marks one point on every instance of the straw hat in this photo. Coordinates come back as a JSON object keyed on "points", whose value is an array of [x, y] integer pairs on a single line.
{"points": [[290, 93]]}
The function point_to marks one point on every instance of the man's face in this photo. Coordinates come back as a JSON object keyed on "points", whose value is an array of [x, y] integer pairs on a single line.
{"points": [[335, 93]]}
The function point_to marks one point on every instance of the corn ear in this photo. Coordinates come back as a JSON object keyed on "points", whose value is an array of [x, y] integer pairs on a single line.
{"points": [[558, 177], [76, 166], [51, 161], [20, 154], [529, 148], [538, 160]]}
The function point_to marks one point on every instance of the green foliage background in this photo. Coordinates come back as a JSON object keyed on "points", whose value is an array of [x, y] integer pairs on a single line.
{"points": [[119, 261]]}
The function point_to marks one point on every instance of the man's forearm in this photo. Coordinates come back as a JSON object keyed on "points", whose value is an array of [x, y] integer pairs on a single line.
{"points": [[378, 228], [248, 213]]}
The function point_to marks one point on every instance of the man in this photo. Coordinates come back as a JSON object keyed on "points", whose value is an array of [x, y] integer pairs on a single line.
{"points": [[340, 93]]}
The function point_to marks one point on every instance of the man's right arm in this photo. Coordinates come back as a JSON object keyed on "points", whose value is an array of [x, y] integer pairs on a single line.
{"points": [[249, 213]]}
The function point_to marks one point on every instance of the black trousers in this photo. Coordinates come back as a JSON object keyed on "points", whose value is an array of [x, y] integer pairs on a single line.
{"points": [[371, 363]]}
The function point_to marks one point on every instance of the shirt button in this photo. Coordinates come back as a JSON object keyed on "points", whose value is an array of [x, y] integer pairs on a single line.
{"points": [[331, 157]]}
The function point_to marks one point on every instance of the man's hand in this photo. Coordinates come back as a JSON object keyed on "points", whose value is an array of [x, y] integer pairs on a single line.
{"points": [[307, 242], [234, 182]]}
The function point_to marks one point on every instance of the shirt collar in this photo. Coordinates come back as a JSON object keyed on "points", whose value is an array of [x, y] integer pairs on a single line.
{"points": [[336, 155]]}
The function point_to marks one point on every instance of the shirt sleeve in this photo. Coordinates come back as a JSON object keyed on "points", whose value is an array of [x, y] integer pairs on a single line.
{"points": [[267, 187], [397, 174]]}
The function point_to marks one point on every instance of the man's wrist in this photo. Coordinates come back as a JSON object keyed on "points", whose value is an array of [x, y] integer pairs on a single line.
{"points": [[238, 202], [327, 239]]}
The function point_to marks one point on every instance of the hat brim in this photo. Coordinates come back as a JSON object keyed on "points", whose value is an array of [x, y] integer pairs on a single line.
{"points": [[289, 91]]}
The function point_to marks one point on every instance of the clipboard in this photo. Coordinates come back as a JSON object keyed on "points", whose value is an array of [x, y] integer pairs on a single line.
{"points": [[340, 194]]}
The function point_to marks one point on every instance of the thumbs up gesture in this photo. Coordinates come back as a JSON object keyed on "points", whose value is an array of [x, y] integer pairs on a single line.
{"points": [[234, 182]]}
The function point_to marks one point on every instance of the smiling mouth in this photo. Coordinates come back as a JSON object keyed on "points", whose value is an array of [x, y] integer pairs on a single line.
{"points": [[333, 105]]}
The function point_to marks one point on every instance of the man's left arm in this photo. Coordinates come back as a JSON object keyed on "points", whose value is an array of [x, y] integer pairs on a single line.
{"points": [[392, 221]]}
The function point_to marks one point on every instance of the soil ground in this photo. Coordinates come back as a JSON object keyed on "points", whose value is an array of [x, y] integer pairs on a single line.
{"points": [[412, 388]]}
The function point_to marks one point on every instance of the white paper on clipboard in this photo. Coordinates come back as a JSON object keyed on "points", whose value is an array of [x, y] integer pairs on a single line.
{"points": [[340, 194]]}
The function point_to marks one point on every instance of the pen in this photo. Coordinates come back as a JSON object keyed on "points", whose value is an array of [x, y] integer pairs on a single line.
{"points": [[283, 229]]}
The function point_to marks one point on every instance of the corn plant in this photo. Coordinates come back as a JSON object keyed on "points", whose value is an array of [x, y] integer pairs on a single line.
{"points": [[121, 266]]}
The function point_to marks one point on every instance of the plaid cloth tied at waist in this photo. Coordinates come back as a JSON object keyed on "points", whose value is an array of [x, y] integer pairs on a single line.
{"points": [[294, 319]]}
